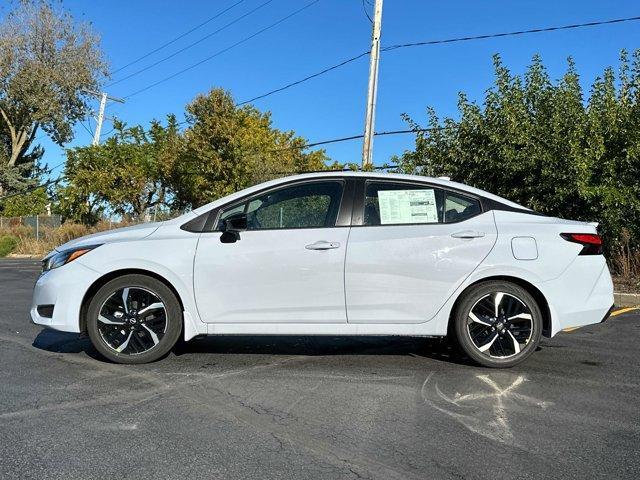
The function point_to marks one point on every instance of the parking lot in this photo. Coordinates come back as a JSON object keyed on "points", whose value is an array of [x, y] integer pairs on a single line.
{"points": [[314, 407]]}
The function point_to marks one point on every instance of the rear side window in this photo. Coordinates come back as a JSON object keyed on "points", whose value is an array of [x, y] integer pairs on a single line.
{"points": [[389, 203], [459, 207]]}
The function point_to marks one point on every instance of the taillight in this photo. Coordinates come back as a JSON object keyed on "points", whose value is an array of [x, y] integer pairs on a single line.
{"points": [[591, 243]]}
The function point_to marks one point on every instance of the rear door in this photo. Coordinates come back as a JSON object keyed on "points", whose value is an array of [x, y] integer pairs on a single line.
{"points": [[411, 245]]}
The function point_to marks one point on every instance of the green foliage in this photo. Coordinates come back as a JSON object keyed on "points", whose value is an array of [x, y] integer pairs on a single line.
{"points": [[46, 63], [223, 149], [125, 174], [227, 148], [33, 203], [538, 143], [7, 244]]}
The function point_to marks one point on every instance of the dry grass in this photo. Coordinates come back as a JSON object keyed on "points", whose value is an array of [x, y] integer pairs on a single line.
{"points": [[50, 238]]}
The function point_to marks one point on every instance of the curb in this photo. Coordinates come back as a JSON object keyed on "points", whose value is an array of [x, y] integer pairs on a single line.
{"points": [[24, 255], [626, 299]]}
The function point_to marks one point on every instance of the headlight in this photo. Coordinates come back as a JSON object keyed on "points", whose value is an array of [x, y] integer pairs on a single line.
{"points": [[66, 256]]}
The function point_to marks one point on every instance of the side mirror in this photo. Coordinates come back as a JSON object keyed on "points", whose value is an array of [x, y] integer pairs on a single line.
{"points": [[232, 227]]}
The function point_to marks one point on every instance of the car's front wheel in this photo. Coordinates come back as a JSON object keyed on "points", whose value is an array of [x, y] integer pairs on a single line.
{"points": [[134, 319], [498, 324]]}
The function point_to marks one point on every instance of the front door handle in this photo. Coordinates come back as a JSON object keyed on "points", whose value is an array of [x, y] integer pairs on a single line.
{"points": [[322, 245], [468, 234]]}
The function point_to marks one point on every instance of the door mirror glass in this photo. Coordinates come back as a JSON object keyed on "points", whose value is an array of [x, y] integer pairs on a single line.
{"points": [[232, 226], [236, 222]]}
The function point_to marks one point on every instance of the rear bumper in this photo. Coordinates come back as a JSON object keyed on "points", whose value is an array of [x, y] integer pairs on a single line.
{"points": [[62, 288], [582, 295]]}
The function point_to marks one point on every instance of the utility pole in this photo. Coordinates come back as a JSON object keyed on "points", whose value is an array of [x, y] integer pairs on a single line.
{"points": [[103, 103], [370, 118]]}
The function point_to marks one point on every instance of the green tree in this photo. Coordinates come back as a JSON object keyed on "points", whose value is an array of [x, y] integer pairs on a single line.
{"points": [[223, 149], [46, 62], [539, 143], [124, 175], [226, 148], [33, 203]]}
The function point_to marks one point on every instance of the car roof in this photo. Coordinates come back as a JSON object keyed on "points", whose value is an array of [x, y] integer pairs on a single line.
{"points": [[348, 173]]}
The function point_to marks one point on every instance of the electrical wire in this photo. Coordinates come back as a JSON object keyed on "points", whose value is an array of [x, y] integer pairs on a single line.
{"points": [[512, 34], [86, 128], [443, 41], [31, 189], [187, 47], [296, 147], [364, 7], [240, 42], [309, 77], [166, 44]]}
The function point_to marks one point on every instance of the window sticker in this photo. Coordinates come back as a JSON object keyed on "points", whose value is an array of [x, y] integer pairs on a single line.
{"points": [[407, 206]]}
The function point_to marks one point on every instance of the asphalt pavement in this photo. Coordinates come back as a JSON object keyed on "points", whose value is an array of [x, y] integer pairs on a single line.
{"points": [[238, 407]]}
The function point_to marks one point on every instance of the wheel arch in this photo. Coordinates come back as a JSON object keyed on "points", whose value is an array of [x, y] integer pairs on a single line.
{"points": [[97, 284], [529, 287]]}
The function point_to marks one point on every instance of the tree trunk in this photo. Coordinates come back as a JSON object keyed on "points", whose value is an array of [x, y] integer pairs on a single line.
{"points": [[18, 139]]}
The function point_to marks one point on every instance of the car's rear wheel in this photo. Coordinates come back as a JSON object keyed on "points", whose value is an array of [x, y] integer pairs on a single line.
{"points": [[134, 319], [498, 324]]}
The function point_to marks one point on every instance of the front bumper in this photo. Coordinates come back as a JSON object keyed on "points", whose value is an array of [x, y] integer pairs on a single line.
{"points": [[64, 288]]}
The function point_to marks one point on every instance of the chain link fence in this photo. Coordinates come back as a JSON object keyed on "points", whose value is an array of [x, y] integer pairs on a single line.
{"points": [[35, 222]]}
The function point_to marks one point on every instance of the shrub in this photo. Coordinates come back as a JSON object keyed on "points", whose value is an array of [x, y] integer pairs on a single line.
{"points": [[7, 244], [625, 260]]}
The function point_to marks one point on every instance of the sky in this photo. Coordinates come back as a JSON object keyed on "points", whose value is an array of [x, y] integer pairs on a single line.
{"points": [[326, 33]]}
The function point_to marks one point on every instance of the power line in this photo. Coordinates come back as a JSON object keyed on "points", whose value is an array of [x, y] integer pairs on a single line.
{"points": [[443, 41], [302, 80], [513, 34], [31, 189], [246, 39], [166, 44], [86, 128], [356, 137], [187, 47], [364, 7], [296, 147]]}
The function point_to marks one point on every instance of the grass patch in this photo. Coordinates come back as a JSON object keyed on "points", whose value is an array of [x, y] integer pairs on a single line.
{"points": [[7, 244]]}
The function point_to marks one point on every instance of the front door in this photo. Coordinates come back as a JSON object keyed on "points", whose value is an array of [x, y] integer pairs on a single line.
{"points": [[288, 266], [415, 246]]}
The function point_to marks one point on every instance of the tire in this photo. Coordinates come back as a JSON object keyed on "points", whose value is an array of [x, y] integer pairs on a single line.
{"points": [[143, 329], [490, 340]]}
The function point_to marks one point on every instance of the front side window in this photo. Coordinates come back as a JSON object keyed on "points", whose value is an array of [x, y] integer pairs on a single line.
{"points": [[307, 205]]}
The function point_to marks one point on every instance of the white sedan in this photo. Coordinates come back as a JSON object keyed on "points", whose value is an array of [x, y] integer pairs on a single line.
{"points": [[335, 253]]}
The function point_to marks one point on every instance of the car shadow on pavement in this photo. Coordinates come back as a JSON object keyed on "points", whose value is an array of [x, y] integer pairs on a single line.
{"points": [[434, 348], [64, 342]]}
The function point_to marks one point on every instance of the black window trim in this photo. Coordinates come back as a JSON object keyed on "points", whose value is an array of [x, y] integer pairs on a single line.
{"points": [[351, 210], [358, 208], [342, 218]]}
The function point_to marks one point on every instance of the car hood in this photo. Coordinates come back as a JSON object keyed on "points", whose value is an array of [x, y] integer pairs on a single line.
{"points": [[134, 232]]}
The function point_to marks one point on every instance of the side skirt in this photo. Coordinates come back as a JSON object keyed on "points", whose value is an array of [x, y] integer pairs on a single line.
{"points": [[428, 329]]}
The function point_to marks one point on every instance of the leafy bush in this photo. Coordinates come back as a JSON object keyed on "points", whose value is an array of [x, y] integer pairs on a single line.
{"points": [[33, 203], [7, 244], [538, 142]]}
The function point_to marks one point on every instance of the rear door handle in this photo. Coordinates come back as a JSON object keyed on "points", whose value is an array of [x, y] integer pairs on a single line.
{"points": [[468, 234], [322, 245]]}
